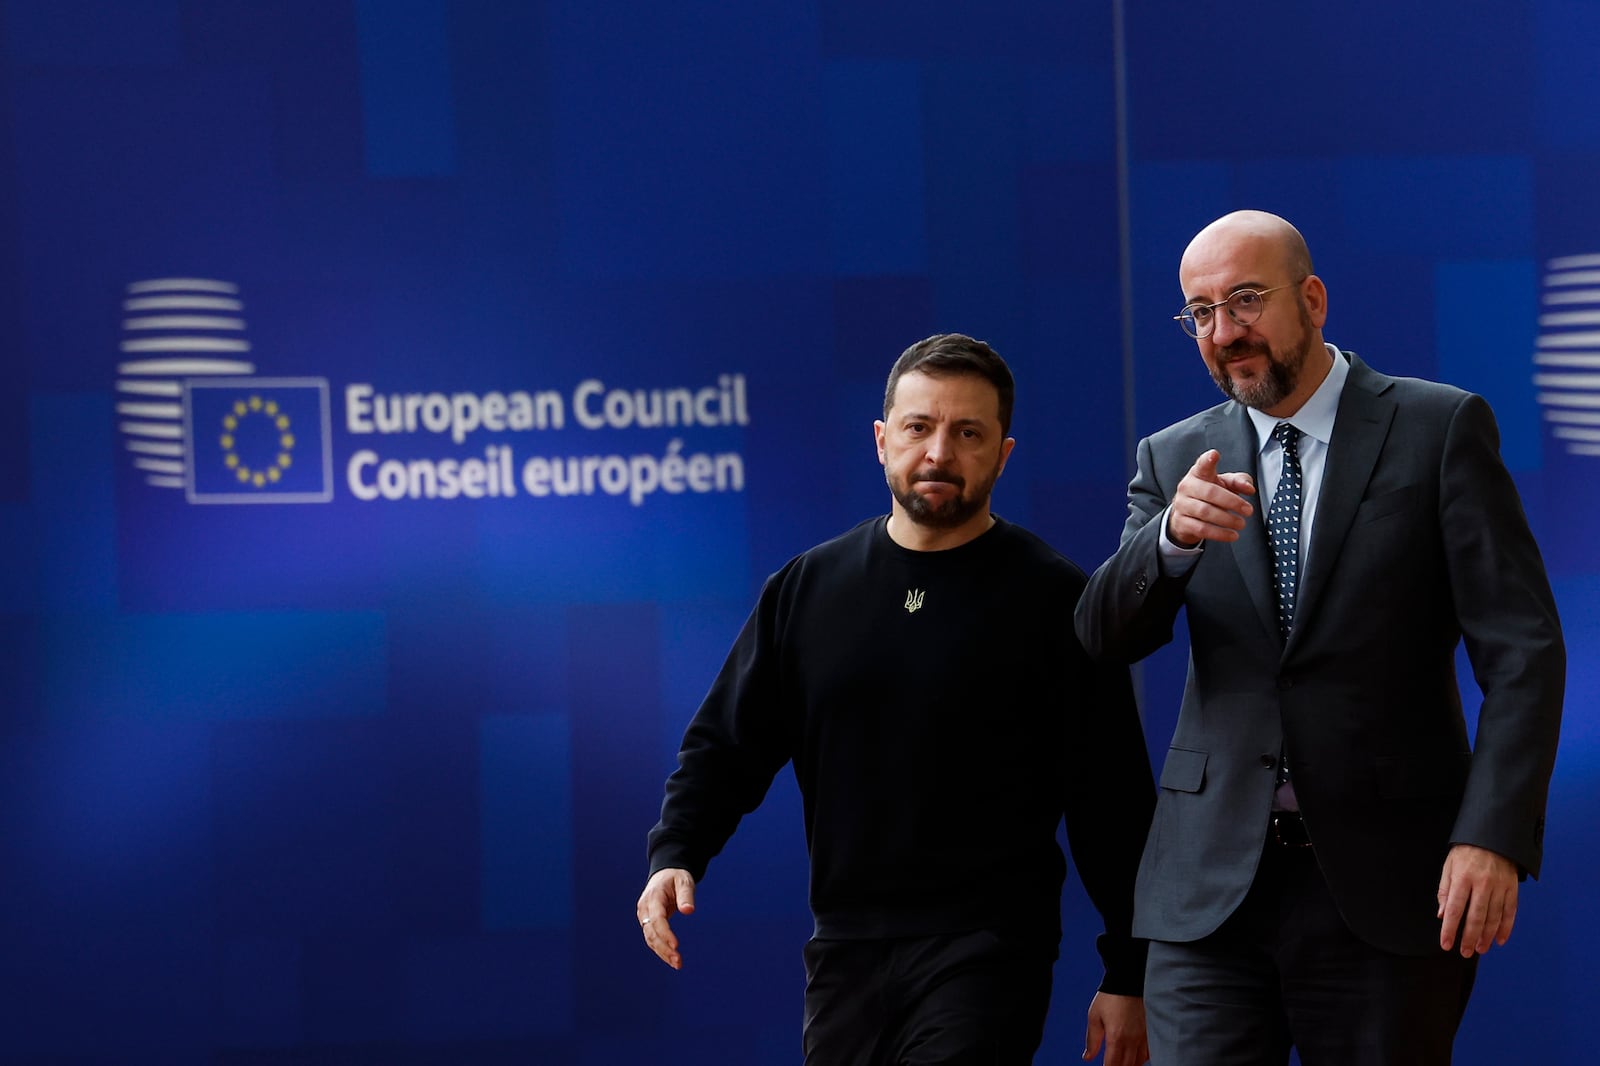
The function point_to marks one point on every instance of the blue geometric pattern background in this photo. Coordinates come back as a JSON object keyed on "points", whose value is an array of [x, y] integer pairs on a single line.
{"points": [[598, 299]]}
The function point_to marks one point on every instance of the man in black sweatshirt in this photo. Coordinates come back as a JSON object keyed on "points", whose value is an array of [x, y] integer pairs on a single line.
{"points": [[922, 675]]}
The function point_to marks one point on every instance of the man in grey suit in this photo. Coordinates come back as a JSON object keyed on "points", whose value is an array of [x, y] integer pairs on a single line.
{"points": [[1329, 855]]}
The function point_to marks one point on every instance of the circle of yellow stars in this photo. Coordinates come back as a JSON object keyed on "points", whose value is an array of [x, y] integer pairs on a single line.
{"points": [[256, 407]]}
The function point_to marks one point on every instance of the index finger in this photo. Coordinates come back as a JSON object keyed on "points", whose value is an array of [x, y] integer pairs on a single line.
{"points": [[668, 891], [1205, 467], [660, 938]]}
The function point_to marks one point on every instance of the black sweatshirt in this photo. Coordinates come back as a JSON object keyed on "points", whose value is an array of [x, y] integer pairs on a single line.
{"points": [[941, 717]]}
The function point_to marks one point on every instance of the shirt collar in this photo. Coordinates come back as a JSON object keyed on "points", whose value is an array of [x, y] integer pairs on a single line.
{"points": [[1315, 417]]}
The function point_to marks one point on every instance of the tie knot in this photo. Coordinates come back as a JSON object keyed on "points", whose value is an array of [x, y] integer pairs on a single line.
{"points": [[1287, 437]]}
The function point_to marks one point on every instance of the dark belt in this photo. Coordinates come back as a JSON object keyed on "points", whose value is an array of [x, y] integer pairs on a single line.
{"points": [[1289, 830]]}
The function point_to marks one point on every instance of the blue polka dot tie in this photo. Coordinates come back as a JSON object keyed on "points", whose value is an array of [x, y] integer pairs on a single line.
{"points": [[1283, 526]]}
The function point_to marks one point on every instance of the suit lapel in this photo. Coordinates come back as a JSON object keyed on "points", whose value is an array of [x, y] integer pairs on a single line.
{"points": [[1359, 430], [1231, 433]]}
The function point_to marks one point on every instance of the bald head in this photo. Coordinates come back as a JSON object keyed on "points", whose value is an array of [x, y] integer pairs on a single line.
{"points": [[1265, 231]]}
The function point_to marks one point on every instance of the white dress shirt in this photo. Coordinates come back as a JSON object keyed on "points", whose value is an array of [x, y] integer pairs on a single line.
{"points": [[1314, 420]]}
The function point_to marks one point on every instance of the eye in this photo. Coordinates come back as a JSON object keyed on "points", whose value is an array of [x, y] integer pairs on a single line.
{"points": [[1200, 313], [1245, 300], [969, 433]]}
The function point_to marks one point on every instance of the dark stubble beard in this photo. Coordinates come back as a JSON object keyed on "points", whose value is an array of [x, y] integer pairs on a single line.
{"points": [[947, 515]]}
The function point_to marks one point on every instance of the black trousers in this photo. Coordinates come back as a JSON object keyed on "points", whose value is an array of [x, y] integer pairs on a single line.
{"points": [[1284, 970], [964, 999]]}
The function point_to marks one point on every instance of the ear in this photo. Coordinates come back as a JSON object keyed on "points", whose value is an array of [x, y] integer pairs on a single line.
{"points": [[1315, 295], [1005, 453], [878, 430]]}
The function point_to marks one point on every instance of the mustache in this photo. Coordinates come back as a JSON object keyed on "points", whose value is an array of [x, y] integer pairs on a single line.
{"points": [[1242, 349], [949, 477]]}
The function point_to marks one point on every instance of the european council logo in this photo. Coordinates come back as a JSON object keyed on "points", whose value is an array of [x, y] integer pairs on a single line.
{"points": [[193, 418], [1568, 355], [258, 440]]}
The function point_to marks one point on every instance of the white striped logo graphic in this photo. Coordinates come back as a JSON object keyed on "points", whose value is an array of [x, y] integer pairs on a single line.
{"points": [[173, 329], [1567, 359]]}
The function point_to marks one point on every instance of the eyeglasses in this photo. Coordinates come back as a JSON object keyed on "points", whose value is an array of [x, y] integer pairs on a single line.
{"points": [[1244, 307]]}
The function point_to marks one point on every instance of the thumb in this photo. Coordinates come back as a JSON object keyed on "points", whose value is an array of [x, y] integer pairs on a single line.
{"points": [[683, 888], [1238, 483], [1093, 1038]]}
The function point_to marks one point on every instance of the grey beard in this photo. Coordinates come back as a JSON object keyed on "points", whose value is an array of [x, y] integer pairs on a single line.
{"points": [[1268, 390]]}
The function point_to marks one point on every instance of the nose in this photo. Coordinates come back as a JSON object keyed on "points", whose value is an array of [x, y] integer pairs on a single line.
{"points": [[1224, 330], [936, 446]]}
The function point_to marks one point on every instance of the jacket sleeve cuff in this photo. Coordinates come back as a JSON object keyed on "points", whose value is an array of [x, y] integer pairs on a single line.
{"points": [[670, 857], [1123, 957]]}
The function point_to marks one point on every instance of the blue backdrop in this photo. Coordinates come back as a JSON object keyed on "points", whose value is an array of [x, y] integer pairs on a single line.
{"points": [[408, 397]]}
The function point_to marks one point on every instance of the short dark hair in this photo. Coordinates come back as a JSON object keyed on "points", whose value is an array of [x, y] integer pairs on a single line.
{"points": [[955, 353]]}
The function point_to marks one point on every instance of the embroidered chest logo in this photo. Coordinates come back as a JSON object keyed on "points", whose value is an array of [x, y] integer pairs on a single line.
{"points": [[914, 600]]}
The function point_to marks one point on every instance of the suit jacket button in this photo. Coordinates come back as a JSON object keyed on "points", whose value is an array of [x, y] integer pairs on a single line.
{"points": [[1140, 583], [1285, 684], [1267, 761]]}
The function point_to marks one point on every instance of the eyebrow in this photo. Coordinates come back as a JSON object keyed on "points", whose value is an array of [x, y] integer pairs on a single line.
{"points": [[918, 416], [1258, 285]]}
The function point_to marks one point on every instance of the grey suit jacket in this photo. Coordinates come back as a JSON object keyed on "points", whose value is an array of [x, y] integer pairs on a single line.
{"points": [[1419, 542]]}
